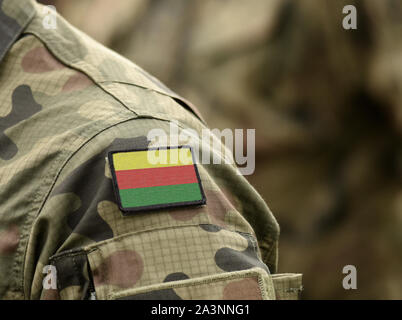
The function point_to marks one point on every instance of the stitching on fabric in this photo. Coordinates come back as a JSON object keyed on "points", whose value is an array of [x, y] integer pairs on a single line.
{"points": [[192, 282], [129, 234]]}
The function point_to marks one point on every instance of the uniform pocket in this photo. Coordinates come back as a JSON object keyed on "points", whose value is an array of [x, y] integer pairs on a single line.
{"points": [[254, 284], [181, 262]]}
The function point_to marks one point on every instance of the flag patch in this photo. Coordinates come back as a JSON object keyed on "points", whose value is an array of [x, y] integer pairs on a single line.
{"points": [[155, 178]]}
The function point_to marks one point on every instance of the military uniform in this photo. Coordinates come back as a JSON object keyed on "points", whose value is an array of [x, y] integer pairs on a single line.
{"points": [[66, 102], [326, 104]]}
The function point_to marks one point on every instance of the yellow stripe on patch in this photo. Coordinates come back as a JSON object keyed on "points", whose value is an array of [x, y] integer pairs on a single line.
{"points": [[152, 159]]}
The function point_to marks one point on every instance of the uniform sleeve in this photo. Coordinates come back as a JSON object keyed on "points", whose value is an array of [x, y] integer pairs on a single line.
{"points": [[225, 249]]}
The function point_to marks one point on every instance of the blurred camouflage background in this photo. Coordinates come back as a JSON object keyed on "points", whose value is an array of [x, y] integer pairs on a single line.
{"points": [[326, 104]]}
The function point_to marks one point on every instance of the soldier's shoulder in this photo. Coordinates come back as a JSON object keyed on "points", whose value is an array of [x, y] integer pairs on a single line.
{"points": [[118, 77]]}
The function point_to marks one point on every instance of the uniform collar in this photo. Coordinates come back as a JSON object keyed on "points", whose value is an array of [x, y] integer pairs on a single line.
{"points": [[14, 17]]}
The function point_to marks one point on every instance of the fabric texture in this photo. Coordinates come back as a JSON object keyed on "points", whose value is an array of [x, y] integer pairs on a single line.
{"points": [[65, 103], [155, 178]]}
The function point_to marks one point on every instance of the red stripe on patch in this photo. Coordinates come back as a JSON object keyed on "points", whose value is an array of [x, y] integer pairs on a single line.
{"points": [[154, 177]]}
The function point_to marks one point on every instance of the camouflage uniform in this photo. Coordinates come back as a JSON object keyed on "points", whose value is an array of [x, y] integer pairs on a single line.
{"points": [[65, 102], [326, 104]]}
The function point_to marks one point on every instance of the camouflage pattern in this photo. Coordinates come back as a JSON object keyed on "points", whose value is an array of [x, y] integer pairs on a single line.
{"points": [[250, 284], [325, 103], [65, 102]]}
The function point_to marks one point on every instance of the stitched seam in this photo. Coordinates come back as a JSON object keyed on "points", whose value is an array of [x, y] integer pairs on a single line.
{"points": [[70, 65], [263, 288], [58, 257], [95, 246], [192, 282]]}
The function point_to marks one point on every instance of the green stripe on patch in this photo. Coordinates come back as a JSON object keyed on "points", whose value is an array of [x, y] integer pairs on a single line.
{"points": [[141, 197]]}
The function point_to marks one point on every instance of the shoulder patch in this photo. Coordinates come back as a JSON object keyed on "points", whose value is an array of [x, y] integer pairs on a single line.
{"points": [[155, 178]]}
